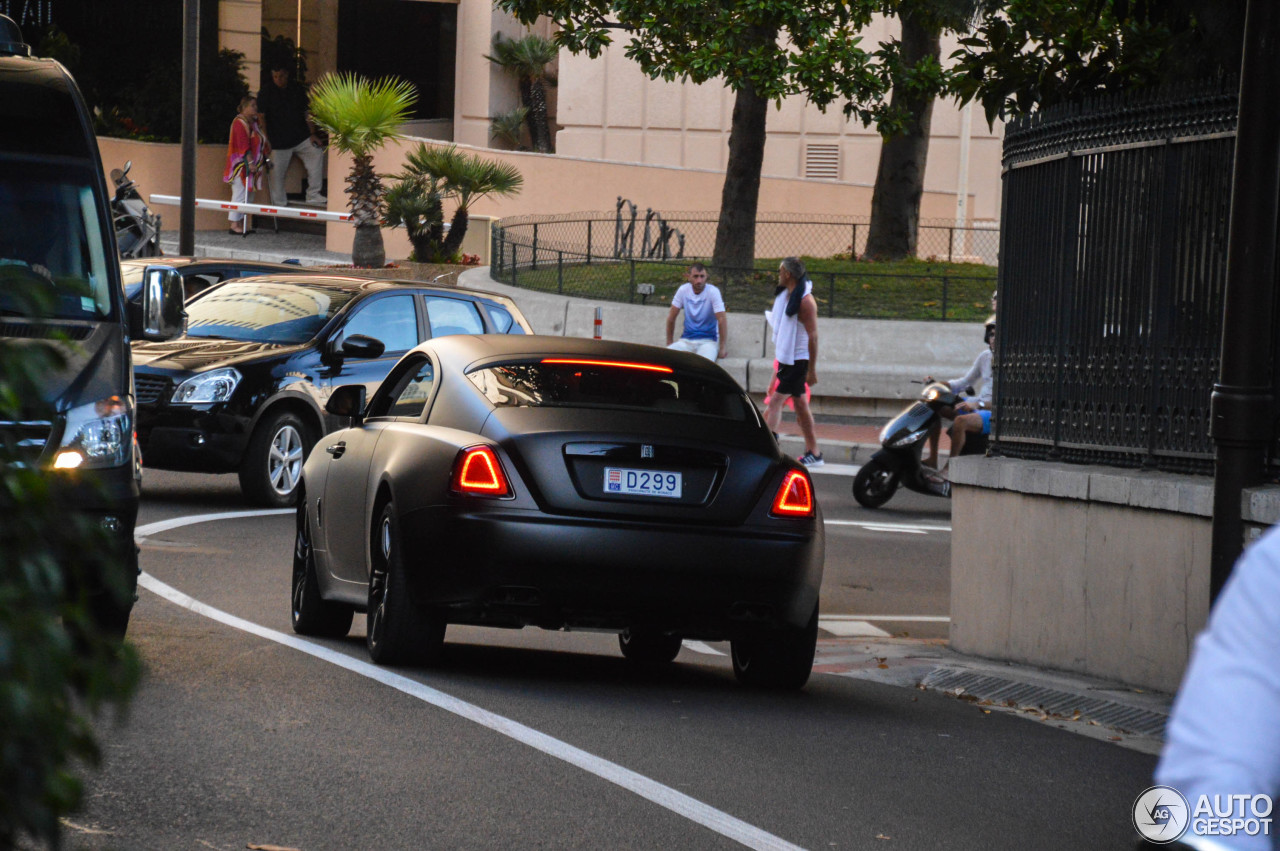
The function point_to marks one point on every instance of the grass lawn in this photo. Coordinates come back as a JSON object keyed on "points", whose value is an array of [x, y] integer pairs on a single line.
{"points": [[907, 289]]}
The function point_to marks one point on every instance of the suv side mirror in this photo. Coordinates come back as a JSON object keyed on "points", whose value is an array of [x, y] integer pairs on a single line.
{"points": [[362, 347], [347, 401], [162, 316]]}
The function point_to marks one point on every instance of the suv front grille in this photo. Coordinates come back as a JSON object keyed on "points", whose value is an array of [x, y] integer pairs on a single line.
{"points": [[149, 387]]}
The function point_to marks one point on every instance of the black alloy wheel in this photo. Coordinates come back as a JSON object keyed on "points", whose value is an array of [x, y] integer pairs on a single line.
{"points": [[271, 471], [398, 631], [647, 647], [312, 614], [874, 484], [781, 659]]}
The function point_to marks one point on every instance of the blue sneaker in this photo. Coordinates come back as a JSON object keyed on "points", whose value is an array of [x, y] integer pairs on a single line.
{"points": [[810, 460]]}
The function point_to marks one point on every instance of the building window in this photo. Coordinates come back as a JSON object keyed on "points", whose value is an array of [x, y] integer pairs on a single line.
{"points": [[822, 162]]}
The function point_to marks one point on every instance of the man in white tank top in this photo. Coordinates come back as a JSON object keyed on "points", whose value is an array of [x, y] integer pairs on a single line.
{"points": [[794, 318]]}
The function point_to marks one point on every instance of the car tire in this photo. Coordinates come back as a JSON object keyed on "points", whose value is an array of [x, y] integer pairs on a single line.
{"points": [[874, 484], [398, 631], [645, 647], [108, 608], [780, 659], [271, 471], [312, 614]]}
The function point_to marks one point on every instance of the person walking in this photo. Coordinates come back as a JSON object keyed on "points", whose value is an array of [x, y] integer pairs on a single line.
{"points": [[247, 152], [292, 133], [794, 318], [706, 331]]}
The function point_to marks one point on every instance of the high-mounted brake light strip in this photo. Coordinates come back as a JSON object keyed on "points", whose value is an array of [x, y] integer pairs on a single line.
{"points": [[650, 367]]}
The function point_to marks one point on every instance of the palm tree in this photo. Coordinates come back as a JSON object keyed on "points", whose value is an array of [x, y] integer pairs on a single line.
{"points": [[508, 127], [361, 116], [527, 59], [466, 179]]}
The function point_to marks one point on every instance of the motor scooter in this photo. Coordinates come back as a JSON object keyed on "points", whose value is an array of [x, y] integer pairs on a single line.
{"points": [[137, 228], [902, 442]]}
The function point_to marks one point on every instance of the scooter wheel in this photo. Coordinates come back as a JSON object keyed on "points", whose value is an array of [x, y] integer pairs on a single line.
{"points": [[874, 484]]}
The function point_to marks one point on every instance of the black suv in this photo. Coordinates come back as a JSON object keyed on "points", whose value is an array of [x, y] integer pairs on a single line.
{"points": [[244, 390]]}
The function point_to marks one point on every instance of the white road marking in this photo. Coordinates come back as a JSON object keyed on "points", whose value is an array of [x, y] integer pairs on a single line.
{"points": [[651, 790], [847, 629], [909, 618], [887, 527], [702, 647]]}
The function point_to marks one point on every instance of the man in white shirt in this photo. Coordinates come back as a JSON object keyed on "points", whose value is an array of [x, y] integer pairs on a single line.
{"points": [[706, 331], [1222, 743]]}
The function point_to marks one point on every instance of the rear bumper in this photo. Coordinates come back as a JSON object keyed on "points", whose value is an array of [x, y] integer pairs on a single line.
{"points": [[518, 567]]}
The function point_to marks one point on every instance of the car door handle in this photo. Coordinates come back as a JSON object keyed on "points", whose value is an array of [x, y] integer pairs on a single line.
{"points": [[337, 449]]}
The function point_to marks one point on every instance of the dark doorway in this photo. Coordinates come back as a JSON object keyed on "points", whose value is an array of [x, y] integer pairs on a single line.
{"points": [[411, 39]]}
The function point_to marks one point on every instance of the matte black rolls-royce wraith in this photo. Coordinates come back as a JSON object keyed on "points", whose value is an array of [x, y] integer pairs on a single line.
{"points": [[561, 483]]}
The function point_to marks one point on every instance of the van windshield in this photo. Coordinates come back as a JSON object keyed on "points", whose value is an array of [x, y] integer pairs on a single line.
{"points": [[52, 237]]}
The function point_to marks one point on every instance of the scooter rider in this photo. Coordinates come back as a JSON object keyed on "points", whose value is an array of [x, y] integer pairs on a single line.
{"points": [[977, 407]]}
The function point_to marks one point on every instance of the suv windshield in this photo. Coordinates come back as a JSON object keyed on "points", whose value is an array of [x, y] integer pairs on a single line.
{"points": [[583, 384], [52, 236], [264, 312]]}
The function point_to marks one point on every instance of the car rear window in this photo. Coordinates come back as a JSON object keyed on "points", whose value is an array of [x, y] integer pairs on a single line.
{"points": [[586, 383]]}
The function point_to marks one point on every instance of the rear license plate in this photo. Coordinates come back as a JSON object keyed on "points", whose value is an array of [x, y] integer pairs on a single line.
{"points": [[642, 482]]}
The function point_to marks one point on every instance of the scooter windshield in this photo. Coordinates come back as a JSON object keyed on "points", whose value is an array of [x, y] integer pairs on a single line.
{"points": [[53, 249]]}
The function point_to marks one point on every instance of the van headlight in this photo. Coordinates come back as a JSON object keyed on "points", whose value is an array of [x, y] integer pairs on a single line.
{"points": [[99, 434], [216, 385]]}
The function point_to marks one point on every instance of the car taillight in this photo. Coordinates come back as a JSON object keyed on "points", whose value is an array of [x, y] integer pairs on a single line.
{"points": [[477, 472], [795, 496]]}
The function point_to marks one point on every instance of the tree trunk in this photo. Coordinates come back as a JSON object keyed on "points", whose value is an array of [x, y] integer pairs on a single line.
{"points": [[367, 249], [539, 130], [365, 189], [735, 249], [457, 230], [895, 202]]}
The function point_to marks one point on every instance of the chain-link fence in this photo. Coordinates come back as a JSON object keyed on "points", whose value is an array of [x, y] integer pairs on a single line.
{"points": [[623, 256]]}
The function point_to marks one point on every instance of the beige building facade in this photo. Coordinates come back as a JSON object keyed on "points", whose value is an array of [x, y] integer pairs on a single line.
{"points": [[606, 111]]}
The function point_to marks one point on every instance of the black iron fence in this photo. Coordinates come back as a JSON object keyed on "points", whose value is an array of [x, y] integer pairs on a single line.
{"points": [[630, 257], [1113, 262]]}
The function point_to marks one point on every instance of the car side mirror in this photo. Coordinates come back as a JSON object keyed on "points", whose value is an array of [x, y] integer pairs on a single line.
{"points": [[162, 316], [347, 401], [361, 347]]}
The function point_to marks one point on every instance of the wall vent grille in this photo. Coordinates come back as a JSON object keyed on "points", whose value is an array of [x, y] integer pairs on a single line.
{"points": [[822, 162]]}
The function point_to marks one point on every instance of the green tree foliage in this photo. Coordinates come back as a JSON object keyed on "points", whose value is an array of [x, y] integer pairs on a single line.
{"points": [[433, 174], [360, 117], [57, 671], [526, 59], [1025, 54], [764, 50]]}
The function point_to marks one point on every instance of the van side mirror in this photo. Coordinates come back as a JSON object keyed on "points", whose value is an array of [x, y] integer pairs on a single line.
{"points": [[347, 401], [162, 316]]}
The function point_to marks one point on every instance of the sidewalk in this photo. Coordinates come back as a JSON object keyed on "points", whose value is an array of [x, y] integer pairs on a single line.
{"points": [[1114, 712]]}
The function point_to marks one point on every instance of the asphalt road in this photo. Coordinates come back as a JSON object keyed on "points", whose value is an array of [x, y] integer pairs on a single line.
{"points": [[244, 735]]}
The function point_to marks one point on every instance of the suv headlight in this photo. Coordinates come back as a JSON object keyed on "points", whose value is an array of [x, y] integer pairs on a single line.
{"points": [[99, 434], [216, 385]]}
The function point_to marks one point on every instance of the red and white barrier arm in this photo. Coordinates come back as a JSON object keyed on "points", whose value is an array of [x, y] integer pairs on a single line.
{"points": [[258, 209]]}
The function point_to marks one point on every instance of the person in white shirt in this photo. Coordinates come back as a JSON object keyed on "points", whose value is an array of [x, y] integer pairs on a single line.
{"points": [[973, 413], [794, 318], [706, 331], [1223, 736]]}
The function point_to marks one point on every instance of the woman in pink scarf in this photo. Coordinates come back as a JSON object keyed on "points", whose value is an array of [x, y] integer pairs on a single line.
{"points": [[247, 154]]}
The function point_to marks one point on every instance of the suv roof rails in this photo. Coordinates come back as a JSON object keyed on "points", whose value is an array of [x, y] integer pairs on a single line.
{"points": [[11, 43]]}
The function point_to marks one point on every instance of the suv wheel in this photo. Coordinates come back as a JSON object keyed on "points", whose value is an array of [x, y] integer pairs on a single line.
{"points": [[272, 467]]}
